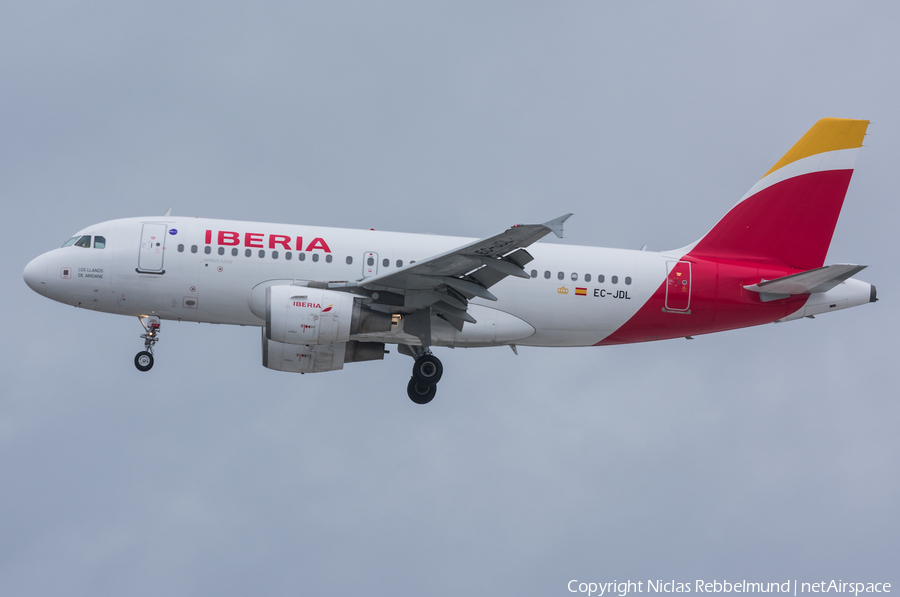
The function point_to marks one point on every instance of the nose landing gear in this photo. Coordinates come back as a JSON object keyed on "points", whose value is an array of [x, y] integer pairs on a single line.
{"points": [[144, 359], [426, 373]]}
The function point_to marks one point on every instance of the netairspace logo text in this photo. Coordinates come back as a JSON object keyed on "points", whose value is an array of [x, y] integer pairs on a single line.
{"points": [[624, 588]]}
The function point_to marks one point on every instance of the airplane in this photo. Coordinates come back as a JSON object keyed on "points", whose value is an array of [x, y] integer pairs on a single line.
{"points": [[327, 297]]}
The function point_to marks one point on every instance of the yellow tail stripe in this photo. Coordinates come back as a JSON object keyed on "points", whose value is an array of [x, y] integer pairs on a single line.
{"points": [[828, 134]]}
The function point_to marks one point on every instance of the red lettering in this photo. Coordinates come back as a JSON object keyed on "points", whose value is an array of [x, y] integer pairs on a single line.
{"points": [[251, 238], [299, 243], [208, 236], [318, 243], [229, 238], [277, 239]]}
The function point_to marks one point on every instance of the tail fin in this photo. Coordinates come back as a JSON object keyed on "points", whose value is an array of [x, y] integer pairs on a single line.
{"points": [[788, 217]]}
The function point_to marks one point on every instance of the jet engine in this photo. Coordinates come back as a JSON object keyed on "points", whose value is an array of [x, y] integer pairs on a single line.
{"points": [[308, 330], [311, 316]]}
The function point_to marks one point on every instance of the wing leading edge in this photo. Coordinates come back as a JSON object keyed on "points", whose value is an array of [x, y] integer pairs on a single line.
{"points": [[445, 283]]}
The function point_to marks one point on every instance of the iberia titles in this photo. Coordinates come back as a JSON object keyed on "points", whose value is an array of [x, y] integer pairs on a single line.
{"points": [[258, 240]]}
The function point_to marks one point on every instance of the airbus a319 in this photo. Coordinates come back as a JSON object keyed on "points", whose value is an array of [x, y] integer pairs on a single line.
{"points": [[328, 297]]}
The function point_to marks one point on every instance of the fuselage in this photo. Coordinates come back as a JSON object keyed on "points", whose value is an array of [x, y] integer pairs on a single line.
{"points": [[207, 270]]}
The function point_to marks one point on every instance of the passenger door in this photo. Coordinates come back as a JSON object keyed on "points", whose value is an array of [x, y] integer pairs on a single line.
{"points": [[153, 246], [678, 286]]}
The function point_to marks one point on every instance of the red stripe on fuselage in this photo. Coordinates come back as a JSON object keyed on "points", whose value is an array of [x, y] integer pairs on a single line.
{"points": [[788, 224], [719, 302]]}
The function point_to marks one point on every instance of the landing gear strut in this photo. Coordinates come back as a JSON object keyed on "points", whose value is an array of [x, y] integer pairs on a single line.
{"points": [[426, 373], [144, 359]]}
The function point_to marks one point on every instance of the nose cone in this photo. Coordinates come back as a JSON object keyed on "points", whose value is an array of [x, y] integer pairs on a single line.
{"points": [[35, 274]]}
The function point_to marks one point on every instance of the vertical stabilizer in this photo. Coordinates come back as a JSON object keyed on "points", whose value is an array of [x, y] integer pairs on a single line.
{"points": [[789, 216]]}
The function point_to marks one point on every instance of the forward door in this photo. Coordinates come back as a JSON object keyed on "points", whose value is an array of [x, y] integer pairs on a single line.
{"points": [[153, 246]]}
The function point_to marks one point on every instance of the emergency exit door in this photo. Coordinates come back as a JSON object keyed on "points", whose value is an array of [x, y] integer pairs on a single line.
{"points": [[370, 265], [678, 286], [153, 245]]}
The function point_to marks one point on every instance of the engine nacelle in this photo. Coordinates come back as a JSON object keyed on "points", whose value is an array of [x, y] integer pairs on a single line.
{"points": [[314, 316], [301, 358]]}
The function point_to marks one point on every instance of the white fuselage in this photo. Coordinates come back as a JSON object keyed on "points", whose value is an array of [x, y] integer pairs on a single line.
{"points": [[180, 280]]}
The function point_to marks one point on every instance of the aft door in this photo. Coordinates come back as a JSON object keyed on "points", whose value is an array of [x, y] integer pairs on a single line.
{"points": [[153, 245], [370, 265], [678, 286]]}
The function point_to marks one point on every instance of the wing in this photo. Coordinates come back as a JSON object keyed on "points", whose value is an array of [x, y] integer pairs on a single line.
{"points": [[446, 282]]}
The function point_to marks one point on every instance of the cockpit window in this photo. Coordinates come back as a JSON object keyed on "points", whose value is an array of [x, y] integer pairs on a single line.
{"points": [[71, 241], [84, 241], [99, 242]]}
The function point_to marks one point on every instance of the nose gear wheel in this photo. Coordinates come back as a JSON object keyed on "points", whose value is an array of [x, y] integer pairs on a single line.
{"points": [[144, 359]]}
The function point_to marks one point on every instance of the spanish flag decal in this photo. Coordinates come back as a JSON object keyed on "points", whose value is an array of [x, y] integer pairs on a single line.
{"points": [[580, 291]]}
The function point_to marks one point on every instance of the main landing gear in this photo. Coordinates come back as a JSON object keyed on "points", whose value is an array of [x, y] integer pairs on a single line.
{"points": [[144, 359], [426, 373]]}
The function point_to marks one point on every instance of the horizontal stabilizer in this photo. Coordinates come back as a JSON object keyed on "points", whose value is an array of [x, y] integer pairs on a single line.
{"points": [[821, 279]]}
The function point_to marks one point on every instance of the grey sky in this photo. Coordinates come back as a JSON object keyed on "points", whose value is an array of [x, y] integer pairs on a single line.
{"points": [[763, 454]]}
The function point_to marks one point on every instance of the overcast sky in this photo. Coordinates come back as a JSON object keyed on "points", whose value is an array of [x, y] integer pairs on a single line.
{"points": [[765, 454]]}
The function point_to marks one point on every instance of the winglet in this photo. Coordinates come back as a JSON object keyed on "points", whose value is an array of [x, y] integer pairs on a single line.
{"points": [[168, 213], [556, 226]]}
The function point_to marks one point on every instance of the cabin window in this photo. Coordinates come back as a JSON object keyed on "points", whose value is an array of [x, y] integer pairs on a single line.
{"points": [[315, 256], [399, 263], [587, 277], [628, 280], [328, 258], [181, 248], [601, 278], [221, 250], [386, 262], [207, 249], [349, 260], [574, 277], [534, 273], [614, 279], [274, 254], [99, 242], [561, 275], [547, 274], [288, 255], [84, 241], [234, 252], [248, 253], [370, 261], [262, 254], [193, 248], [301, 256]]}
